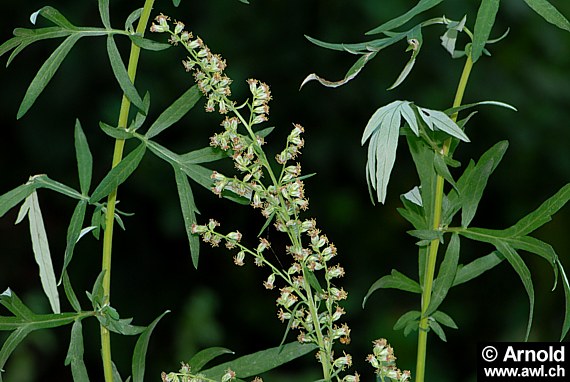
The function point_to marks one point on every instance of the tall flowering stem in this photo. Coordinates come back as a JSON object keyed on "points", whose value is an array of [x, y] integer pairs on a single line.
{"points": [[308, 299], [112, 198]]}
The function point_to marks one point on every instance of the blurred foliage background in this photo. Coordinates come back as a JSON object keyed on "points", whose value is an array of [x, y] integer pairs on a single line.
{"points": [[221, 305]]}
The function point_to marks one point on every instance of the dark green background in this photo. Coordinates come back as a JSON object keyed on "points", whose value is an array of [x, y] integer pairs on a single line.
{"points": [[221, 305]]}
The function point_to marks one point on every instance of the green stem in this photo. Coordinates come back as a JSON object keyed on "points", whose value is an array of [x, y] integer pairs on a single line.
{"points": [[434, 245], [112, 199]]}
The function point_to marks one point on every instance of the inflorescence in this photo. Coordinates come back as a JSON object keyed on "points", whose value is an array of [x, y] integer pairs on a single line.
{"points": [[309, 300]]}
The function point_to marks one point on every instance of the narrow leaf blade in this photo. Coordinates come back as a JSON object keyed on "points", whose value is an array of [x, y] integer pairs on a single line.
{"points": [[74, 232], [421, 6], [524, 273], [262, 361], [350, 74], [483, 25], [14, 197], [75, 354], [118, 174], [42, 253], [446, 274], [189, 211], [46, 73], [395, 280], [200, 359], [141, 347], [104, 12], [545, 9], [542, 215], [84, 159], [175, 112], [477, 267], [122, 75]]}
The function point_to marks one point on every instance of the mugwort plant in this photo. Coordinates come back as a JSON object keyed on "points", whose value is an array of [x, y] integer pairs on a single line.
{"points": [[433, 136], [306, 275]]}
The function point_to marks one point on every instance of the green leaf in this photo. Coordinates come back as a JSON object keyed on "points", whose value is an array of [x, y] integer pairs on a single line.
{"points": [[11, 343], [542, 214], [177, 2], [413, 211], [545, 9], [104, 12], [395, 280], [406, 318], [483, 25], [118, 174], [522, 270], [442, 170], [474, 180], [141, 347], [415, 41], [147, 44], [42, 181], [13, 303], [189, 211], [446, 275], [41, 251], [437, 329], [117, 375], [70, 293], [312, 279], [424, 158], [477, 267], [525, 243], [350, 74], [122, 75], [120, 326], [116, 132], [436, 119], [454, 110], [175, 112], [566, 286], [203, 155], [449, 38], [444, 319], [421, 6], [46, 73], [25, 37], [260, 362], [97, 295], [14, 197], [200, 359], [54, 16], [74, 355], [383, 131], [73, 233], [133, 16], [427, 235], [84, 159]]}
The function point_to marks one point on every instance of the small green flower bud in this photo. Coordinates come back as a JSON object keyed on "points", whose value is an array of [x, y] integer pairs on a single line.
{"points": [[212, 224], [179, 27], [198, 229], [228, 376], [351, 378], [238, 259], [269, 284]]}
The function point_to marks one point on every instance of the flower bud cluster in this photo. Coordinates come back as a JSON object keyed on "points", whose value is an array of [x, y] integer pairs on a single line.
{"points": [[208, 67], [384, 361], [308, 298], [185, 375]]}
